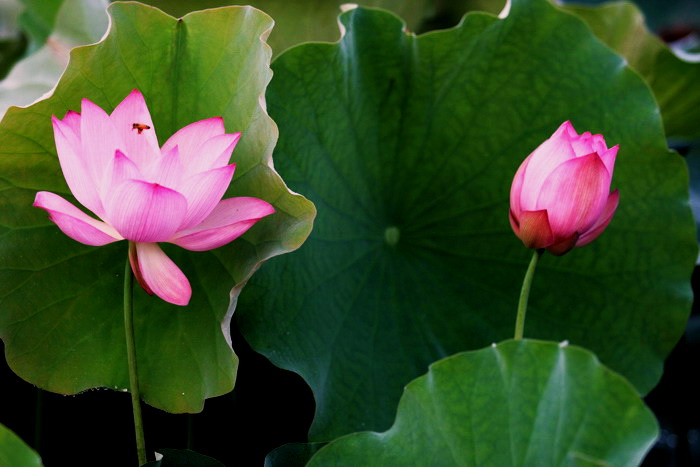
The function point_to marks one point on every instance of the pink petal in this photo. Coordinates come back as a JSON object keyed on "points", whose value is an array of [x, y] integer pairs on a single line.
{"points": [[99, 140], [608, 157], [569, 129], [161, 275], [140, 145], [574, 195], [214, 153], [134, 262], [80, 181], [517, 186], [543, 160], [602, 222], [145, 212], [534, 229], [203, 191], [72, 120], [122, 169], [190, 138], [74, 222], [599, 145], [514, 223], [583, 144], [230, 219], [168, 169], [564, 245]]}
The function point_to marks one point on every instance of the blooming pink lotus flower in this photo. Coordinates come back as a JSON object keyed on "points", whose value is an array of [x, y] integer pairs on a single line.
{"points": [[560, 197], [148, 194]]}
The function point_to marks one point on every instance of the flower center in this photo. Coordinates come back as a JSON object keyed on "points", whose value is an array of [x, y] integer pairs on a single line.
{"points": [[391, 235]]}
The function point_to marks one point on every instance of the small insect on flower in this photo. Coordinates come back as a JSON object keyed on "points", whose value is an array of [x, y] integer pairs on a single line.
{"points": [[140, 127]]}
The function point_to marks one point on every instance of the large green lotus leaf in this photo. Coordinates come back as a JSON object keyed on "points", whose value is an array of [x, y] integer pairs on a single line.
{"points": [[14, 452], [78, 22], [519, 403], [674, 81], [302, 20], [408, 146], [61, 301]]}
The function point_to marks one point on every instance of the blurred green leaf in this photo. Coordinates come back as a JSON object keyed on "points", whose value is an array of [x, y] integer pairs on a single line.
{"points": [[674, 81], [519, 403], [12, 42], [39, 17], [60, 301], [408, 147], [14, 452], [79, 22]]}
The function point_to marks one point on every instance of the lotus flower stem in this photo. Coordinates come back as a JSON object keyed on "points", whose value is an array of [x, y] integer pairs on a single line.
{"points": [[131, 354], [525, 294]]}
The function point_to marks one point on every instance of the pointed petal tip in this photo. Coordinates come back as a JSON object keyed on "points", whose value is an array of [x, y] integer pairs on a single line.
{"points": [[75, 223], [162, 275]]}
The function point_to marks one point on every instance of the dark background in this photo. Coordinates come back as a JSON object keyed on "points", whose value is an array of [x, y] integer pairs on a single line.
{"points": [[270, 407]]}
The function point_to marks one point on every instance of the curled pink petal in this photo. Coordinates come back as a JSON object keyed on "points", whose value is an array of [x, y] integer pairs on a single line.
{"points": [[203, 191], [602, 222], [535, 231], [80, 181], [135, 129], [161, 275], [550, 154], [74, 222], [145, 212], [230, 219], [574, 194], [191, 137]]}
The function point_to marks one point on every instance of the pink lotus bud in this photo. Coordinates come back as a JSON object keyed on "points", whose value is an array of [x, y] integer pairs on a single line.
{"points": [[560, 197], [145, 193]]}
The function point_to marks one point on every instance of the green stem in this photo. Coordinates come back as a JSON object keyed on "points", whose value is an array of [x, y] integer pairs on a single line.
{"points": [[525, 293], [131, 354]]}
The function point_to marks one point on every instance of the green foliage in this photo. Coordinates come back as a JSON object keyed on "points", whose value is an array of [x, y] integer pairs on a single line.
{"points": [[519, 403], [302, 20], [292, 454], [38, 19], [674, 81], [408, 146], [14, 452], [60, 301], [78, 22]]}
